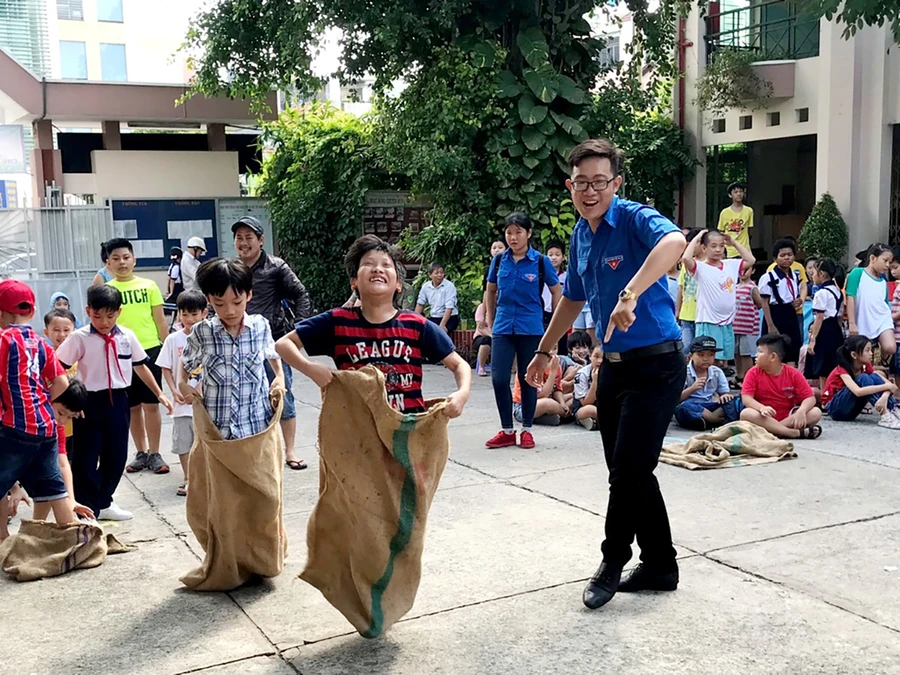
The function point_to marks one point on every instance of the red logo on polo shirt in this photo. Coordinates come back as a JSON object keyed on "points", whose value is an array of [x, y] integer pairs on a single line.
{"points": [[531, 277], [613, 261]]}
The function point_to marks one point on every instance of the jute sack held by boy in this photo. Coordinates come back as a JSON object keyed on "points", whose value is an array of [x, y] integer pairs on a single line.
{"points": [[378, 472]]}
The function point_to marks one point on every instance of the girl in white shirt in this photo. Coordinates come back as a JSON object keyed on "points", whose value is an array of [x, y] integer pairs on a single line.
{"points": [[868, 304]]}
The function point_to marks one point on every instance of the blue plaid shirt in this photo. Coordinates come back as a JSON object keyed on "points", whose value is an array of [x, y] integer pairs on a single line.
{"points": [[235, 388]]}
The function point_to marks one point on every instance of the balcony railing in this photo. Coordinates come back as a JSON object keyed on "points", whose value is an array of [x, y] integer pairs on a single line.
{"points": [[777, 29]]}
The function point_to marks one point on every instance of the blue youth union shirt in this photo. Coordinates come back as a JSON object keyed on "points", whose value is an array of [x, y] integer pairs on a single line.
{"points": [[602, 264], [520, 308]]}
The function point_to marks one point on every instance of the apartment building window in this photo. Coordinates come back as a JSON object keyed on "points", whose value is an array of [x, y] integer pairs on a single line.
{"points": [[609, 56], [112, 63], [70, 10], [73, 59], [110, 10]]}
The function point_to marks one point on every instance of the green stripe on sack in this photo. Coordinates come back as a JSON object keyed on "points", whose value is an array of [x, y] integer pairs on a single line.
{"points": [[401, 538]]}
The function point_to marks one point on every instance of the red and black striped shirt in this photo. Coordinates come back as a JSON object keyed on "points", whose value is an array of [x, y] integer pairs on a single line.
{"points": [[396, 347]]}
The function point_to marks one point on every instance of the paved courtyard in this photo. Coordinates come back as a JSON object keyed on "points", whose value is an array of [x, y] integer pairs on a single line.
{"points": [[785, 568]]}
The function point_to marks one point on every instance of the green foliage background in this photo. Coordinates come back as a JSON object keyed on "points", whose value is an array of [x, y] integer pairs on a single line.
{"points": [[824, 234]]}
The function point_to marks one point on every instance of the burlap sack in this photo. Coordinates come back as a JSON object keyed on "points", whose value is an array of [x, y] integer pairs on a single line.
{"points": [[41, 549], [378, 472], [234, 504], [735, 444]]}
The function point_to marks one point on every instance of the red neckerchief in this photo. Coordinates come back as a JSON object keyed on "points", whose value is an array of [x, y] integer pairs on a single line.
{"points": [[110, 345]]}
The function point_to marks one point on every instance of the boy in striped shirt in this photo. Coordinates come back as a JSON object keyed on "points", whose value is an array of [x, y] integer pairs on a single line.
{"points": [[375, 333], [30, 378]]}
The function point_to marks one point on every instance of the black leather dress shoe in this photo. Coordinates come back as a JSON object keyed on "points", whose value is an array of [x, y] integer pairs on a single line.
{"points": [[643, 579], [602, 586]]}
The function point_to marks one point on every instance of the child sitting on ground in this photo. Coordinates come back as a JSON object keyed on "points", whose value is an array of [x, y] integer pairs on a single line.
{"points": [[776, 396], [706, 401], [854, 382], [579, 348], [191, 311], [375, 333], [585, 405], [31, 376], [551, 406]]}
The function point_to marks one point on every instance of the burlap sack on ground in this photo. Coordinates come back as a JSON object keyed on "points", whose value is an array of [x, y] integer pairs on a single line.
{"points": [[234, 504], [735, 444], [41, 549], [378, 472]]}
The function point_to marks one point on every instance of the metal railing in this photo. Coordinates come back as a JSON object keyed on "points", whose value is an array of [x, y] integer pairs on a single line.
{"points": [[777, 29]]}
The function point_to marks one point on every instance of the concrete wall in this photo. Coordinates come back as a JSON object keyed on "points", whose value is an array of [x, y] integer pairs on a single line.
{"points": [[159, 175]]}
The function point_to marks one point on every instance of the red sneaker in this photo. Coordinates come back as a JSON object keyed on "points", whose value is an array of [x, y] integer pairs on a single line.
{"points": [[526, 440], [503, 440]]}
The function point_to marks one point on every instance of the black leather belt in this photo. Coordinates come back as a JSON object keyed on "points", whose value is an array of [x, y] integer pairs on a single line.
{"points": [[643, 352]]}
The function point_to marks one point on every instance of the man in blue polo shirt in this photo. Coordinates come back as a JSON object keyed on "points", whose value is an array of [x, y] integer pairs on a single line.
{"points": [[619, 256]]}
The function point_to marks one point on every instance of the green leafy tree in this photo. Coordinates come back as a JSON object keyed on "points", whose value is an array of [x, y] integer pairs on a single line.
{"points": [[322, 167], [824, 234]]}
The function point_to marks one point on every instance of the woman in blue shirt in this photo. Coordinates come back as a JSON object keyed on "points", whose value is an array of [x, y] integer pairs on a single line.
{"points": [[515, 312]]}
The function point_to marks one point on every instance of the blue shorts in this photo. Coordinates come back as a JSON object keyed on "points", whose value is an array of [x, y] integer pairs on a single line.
{"points": [[33, 461], [687, 335], [723, 335], [584, 320], [689, 414], [290, 410]]}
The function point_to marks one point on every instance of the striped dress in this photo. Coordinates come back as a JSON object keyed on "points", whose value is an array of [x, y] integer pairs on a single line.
{"points": [[746, 318]]}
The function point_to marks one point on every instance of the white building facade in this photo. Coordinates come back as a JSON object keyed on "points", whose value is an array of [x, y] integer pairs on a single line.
{"points": [[831, 125]]}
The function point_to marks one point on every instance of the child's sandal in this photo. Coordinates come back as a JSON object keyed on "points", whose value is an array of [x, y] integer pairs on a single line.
{"points": [[811, 432]]}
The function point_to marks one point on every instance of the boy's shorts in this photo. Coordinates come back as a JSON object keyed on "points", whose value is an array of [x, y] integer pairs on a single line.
{"points": [[139, 393], [289, 411], [689, 414], [182, 435], [585, 320], [723, 335], [745, 345], [517, 412], [33, 461], [687, 335]]}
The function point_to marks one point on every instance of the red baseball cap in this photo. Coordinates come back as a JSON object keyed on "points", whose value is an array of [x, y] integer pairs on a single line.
{"points": [[16, 297]]}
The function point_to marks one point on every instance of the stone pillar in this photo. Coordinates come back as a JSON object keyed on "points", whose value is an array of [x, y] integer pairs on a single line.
{"points": [[694, 63], [112, 136], [46, 163], [215, 137]]}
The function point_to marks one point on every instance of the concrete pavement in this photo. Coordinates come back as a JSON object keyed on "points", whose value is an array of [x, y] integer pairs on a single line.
{"points": [[785, 568]]}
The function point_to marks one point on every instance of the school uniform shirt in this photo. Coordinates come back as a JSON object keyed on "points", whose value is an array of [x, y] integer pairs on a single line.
{"points": [[716, 302], [781, 287], [716, 383], [737, 224], [825, 301], [547, 296], [175, 272], [688, 284], [603, 262], [583, 382], [439, 298], [795, 267], [235, 387], [520, 309], [746, 314], [104, 361], [782, 392], [834, 383], [139, 297], [873, 309], [26, 364], [170, 358], [396, 347]]}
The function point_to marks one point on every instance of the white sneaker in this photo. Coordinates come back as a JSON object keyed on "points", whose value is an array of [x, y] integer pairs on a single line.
{"points": [[588, 423], [889, 421], [116, 512]]}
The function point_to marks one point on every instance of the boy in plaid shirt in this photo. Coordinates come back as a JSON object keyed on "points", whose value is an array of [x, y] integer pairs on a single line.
{"points": [[231, 348]]}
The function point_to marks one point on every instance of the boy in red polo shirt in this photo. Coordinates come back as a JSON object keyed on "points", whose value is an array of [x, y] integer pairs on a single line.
{"points": [[28, 428], [776, 396]]}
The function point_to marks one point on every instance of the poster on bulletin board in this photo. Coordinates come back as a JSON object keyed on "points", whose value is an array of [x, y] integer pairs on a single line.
{"points": [[156, 225]]}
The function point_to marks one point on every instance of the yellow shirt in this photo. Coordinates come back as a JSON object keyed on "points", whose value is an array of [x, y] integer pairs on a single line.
{"points": [[139, 297], [688, 285], [69, 427], [737, 224], [796, 267]]}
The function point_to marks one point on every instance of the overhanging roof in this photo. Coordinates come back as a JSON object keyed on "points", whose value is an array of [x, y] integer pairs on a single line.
{"points": [[24, 98]]}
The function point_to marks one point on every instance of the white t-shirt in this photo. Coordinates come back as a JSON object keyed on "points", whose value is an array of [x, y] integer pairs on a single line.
{"points": [[547, 296], [873, 309], [170, 357], [716, 299]]}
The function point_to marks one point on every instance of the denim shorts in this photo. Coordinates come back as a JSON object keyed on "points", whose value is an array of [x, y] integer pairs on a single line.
{"points": [[33, 461], [517, 412], [290, 410]]}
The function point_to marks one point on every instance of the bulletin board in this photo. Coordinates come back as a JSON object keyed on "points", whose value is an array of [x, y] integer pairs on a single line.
{"points": [[155, 225], [389, 214]]}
